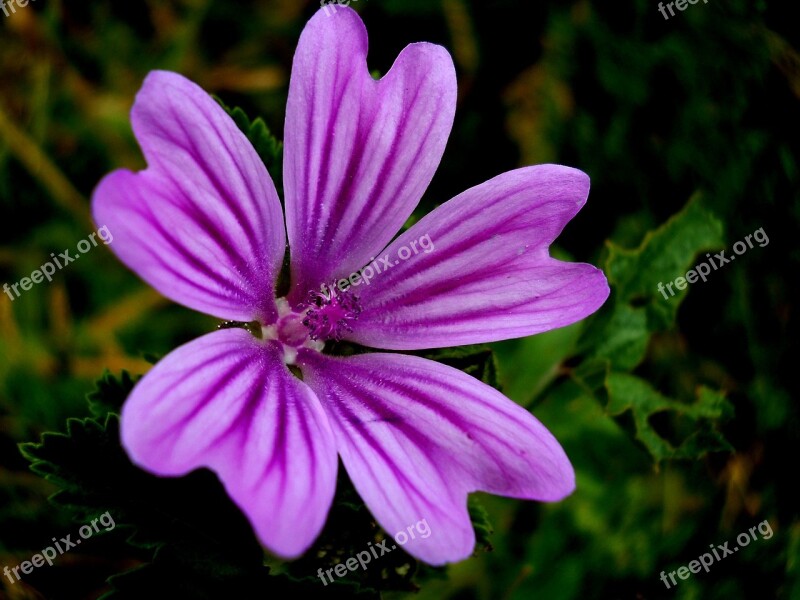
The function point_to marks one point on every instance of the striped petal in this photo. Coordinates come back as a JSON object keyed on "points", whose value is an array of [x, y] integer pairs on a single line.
{"points": [[359, 153], [227, 402], [482, 271], [416, 437], [203, 223]]}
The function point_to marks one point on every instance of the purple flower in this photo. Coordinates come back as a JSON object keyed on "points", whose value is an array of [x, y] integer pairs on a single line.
{"points": [[203, 225]]}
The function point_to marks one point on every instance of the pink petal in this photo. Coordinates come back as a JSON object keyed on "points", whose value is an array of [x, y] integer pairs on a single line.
{"points": [[416, 436], [359, 153], [203, 223], [227, 402], [483, 273]]}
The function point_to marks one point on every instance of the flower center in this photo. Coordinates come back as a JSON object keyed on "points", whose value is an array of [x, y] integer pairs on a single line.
{"points": [[330, 313], [324, 315]]}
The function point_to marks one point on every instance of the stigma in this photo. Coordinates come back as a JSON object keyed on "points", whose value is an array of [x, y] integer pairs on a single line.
{"points": [[325, 314], [330, 313]]}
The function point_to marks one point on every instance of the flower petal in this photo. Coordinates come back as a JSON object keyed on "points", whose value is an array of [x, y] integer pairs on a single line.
{"points": [[416, 436], [484, 273], [227, 402], [359, 153], [203, 223]]}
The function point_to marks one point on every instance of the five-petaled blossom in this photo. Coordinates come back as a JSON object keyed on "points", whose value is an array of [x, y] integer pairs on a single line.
{"points": [[271, 413]]}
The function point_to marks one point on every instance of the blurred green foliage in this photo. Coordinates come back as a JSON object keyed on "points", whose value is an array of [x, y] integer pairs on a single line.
{"points": [[679, 414]]}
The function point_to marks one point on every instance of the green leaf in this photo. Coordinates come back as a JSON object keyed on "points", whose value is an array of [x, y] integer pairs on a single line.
{"points": [[198, 549], [478, 361], [350, 530], [267, 146], [626, 337], [173, 573], [529, 364], [110, 394], [481, 523], [664, 254], [621, 332], [694, 426], [211, 542]]}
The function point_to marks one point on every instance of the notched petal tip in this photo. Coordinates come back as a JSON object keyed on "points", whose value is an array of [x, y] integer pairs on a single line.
{"points": [[359, 153], [203, 223], [416, 437], [490, 277], [226, 402]]}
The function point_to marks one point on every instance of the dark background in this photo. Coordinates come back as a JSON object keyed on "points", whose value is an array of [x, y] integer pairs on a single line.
{"points": [[679, 415]]}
